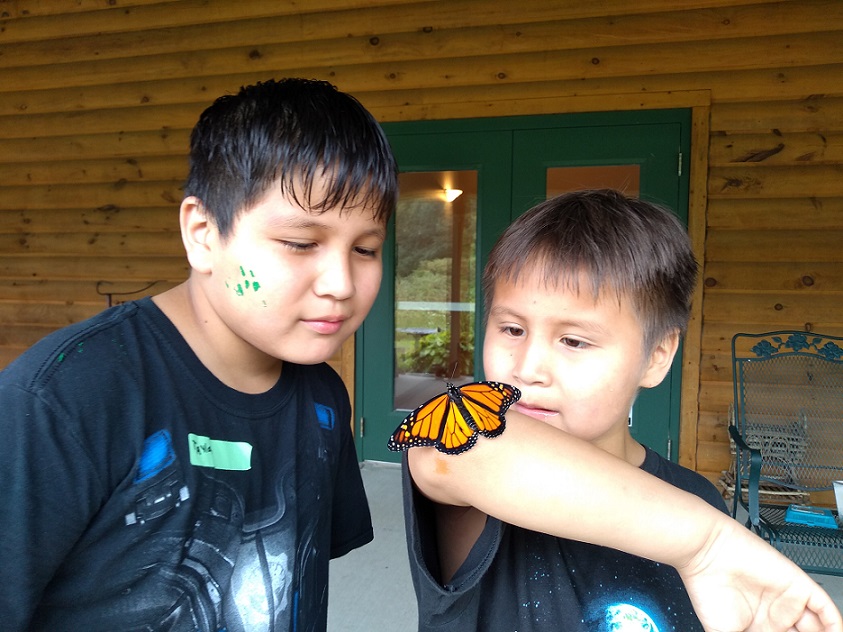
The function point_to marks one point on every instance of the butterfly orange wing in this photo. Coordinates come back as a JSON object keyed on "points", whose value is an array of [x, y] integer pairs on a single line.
{"points": [[436, 423], [486, 403], [449, 422]]}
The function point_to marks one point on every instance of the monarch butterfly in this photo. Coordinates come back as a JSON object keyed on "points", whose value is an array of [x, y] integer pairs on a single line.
{"points": [[451, 421]]}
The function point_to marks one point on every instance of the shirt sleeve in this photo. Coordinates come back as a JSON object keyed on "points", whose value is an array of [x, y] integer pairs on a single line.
{"points": [[455, 605], [351, 523], [48, 492]]}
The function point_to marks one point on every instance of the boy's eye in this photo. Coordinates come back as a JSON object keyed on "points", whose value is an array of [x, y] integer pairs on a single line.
{"points": [[298, 246], [366, 252], [573, 343], [512, 330]]}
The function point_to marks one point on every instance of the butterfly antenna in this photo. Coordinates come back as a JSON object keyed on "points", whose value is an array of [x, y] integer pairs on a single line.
{"points": [[454, 371]]}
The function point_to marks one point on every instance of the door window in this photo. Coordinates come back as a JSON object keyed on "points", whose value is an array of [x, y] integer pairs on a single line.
{"points": [[626, 178], [435, 268]]}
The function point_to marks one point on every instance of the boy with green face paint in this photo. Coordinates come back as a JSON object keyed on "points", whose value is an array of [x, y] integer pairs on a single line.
{"points": [[185, 462]]}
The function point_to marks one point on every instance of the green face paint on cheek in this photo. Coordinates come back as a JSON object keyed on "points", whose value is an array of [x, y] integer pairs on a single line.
{"points": [[246, 284]]}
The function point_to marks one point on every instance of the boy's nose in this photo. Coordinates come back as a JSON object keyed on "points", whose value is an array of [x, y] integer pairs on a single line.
{"points": [[335, 279], [531, 365]]}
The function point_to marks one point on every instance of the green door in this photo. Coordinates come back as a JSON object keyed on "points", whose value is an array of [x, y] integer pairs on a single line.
{"points": [[462, 183]]}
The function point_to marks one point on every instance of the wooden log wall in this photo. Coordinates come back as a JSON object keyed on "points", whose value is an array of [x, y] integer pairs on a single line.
{"points": [[97, 98]]}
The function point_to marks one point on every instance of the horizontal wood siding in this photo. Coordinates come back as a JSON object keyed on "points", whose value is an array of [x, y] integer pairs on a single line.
{"points": [[775, 230], [98, 97]]}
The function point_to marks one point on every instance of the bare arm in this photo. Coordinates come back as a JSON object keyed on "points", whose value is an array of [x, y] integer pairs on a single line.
{"points": [[537, 477]]}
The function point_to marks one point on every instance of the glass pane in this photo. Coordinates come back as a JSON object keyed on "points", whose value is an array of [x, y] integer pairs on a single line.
{"points": [[625, 178], [435, 229]]}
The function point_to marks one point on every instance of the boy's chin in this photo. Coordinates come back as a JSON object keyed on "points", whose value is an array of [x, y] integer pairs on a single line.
{"points": [[312, 354]]}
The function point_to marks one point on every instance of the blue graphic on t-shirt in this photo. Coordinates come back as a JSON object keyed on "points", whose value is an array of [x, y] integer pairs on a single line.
{"points": [[157, 454], [156, 495], [325, 415], [623, 617]]}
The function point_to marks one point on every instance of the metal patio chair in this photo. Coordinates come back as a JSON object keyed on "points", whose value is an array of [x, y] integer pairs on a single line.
{"points": [[788, 435]]}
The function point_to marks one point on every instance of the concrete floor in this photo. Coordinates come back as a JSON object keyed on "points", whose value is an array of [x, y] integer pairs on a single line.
{"points": [[370, 588]]}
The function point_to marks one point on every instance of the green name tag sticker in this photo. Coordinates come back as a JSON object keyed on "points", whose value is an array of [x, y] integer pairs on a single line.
{"points": [[220, 455]]}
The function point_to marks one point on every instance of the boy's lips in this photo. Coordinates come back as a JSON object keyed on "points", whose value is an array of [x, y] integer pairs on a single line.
{"points": [[326, 324], [542, 414]]}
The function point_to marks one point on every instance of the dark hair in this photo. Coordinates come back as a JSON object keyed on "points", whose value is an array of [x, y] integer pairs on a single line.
{"points": [[291, 132], [636, 249]]}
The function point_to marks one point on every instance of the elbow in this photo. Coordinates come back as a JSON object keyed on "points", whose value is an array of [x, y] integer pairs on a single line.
{"points": [[433, 475]]}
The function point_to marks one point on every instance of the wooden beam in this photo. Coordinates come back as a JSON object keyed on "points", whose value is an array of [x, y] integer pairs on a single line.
{"points": [[689, 398]]}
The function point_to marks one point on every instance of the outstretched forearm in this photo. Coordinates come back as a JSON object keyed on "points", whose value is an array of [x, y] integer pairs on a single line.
{"points": [[543, 479]]}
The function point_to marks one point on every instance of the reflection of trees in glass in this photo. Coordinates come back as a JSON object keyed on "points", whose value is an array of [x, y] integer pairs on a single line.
{"points": [[432, 354], [422, 233], [424, 245]]}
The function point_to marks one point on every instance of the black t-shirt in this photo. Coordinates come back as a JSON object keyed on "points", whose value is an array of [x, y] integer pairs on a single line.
{"points": [[141, 493], [516, 580]]}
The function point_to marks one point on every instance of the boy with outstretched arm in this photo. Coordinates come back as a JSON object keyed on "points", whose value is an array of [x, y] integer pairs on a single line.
{"points": [[185, 462], [586, 297]]}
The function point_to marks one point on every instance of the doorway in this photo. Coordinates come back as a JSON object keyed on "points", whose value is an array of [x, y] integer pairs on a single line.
{"points": [[462, 183]]}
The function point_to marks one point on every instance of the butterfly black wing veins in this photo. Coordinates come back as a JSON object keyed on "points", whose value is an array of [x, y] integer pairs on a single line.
{"points": [[419, 428]]}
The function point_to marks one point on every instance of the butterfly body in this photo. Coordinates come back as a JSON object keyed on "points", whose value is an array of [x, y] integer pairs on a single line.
{"points": [[450, 422]]}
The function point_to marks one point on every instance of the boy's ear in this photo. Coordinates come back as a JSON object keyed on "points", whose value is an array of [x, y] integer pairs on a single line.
{"points": [[197, 233], [660, 360]]}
